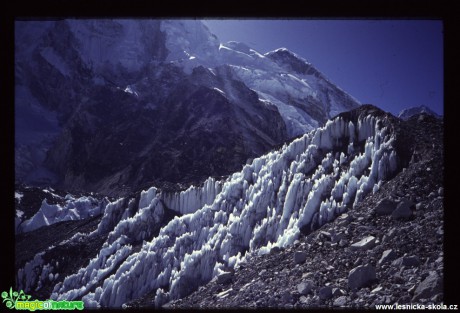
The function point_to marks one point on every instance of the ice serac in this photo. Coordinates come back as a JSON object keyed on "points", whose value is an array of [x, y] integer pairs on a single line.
{"points": [[270, 202], [193, 198], [71, 209]]}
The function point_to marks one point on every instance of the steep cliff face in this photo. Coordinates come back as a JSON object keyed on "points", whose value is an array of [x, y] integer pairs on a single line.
{"points": [[116, 105], [118, 140]]}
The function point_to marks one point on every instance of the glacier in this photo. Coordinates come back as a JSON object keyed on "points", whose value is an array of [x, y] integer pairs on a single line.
{"points": [[183, 202], [269, 203], [73, 209]]}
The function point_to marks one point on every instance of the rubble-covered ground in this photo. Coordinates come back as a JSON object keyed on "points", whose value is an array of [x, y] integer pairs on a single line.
{"points": [[387, 250]]}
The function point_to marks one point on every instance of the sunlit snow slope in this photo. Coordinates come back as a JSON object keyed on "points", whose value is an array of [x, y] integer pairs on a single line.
{"points": [[304, 97], [269, 203]]}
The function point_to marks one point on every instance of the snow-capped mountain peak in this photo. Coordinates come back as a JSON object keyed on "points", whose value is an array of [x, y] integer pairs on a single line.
{"points": [[151, 62], [285, 57], [304, 97], [407, 113]]}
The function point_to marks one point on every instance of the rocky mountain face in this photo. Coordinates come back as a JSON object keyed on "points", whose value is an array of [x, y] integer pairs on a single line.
{"points": [[114, 106], [350, 214]]}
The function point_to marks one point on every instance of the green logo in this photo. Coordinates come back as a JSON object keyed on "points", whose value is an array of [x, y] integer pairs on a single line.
{"points": [[13, 297], [21, 301]]}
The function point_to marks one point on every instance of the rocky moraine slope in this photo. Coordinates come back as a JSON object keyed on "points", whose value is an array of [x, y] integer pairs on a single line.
{"points": [[386, 250], [348, 215]]}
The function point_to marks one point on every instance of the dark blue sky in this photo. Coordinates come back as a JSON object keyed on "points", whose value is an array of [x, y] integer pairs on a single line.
{"points": [[393, 64]]}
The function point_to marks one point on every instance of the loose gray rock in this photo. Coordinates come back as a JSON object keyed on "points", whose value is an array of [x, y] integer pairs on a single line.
{"points": [[391, 233], [300, 257], [304, 300], [275, 250], [409, 261], [364, 244], [361, 276], [387, 299], [325, 293], [398, 279], [403, 210], [404, 299], [431, 286], [336, 237], [437, 298], [387, 256], [440, 231], [364, 229], [325, 235], [305, 287], [224, 278], [441, 191], [358, 261], [337, 292], [385, 207], [340, 301], [411, 290], [439, 260], [225, 293], [286, 297]]}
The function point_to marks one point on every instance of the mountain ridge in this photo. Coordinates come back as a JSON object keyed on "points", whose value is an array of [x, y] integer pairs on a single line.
{"points": [[409, 112], [108, 95]]}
